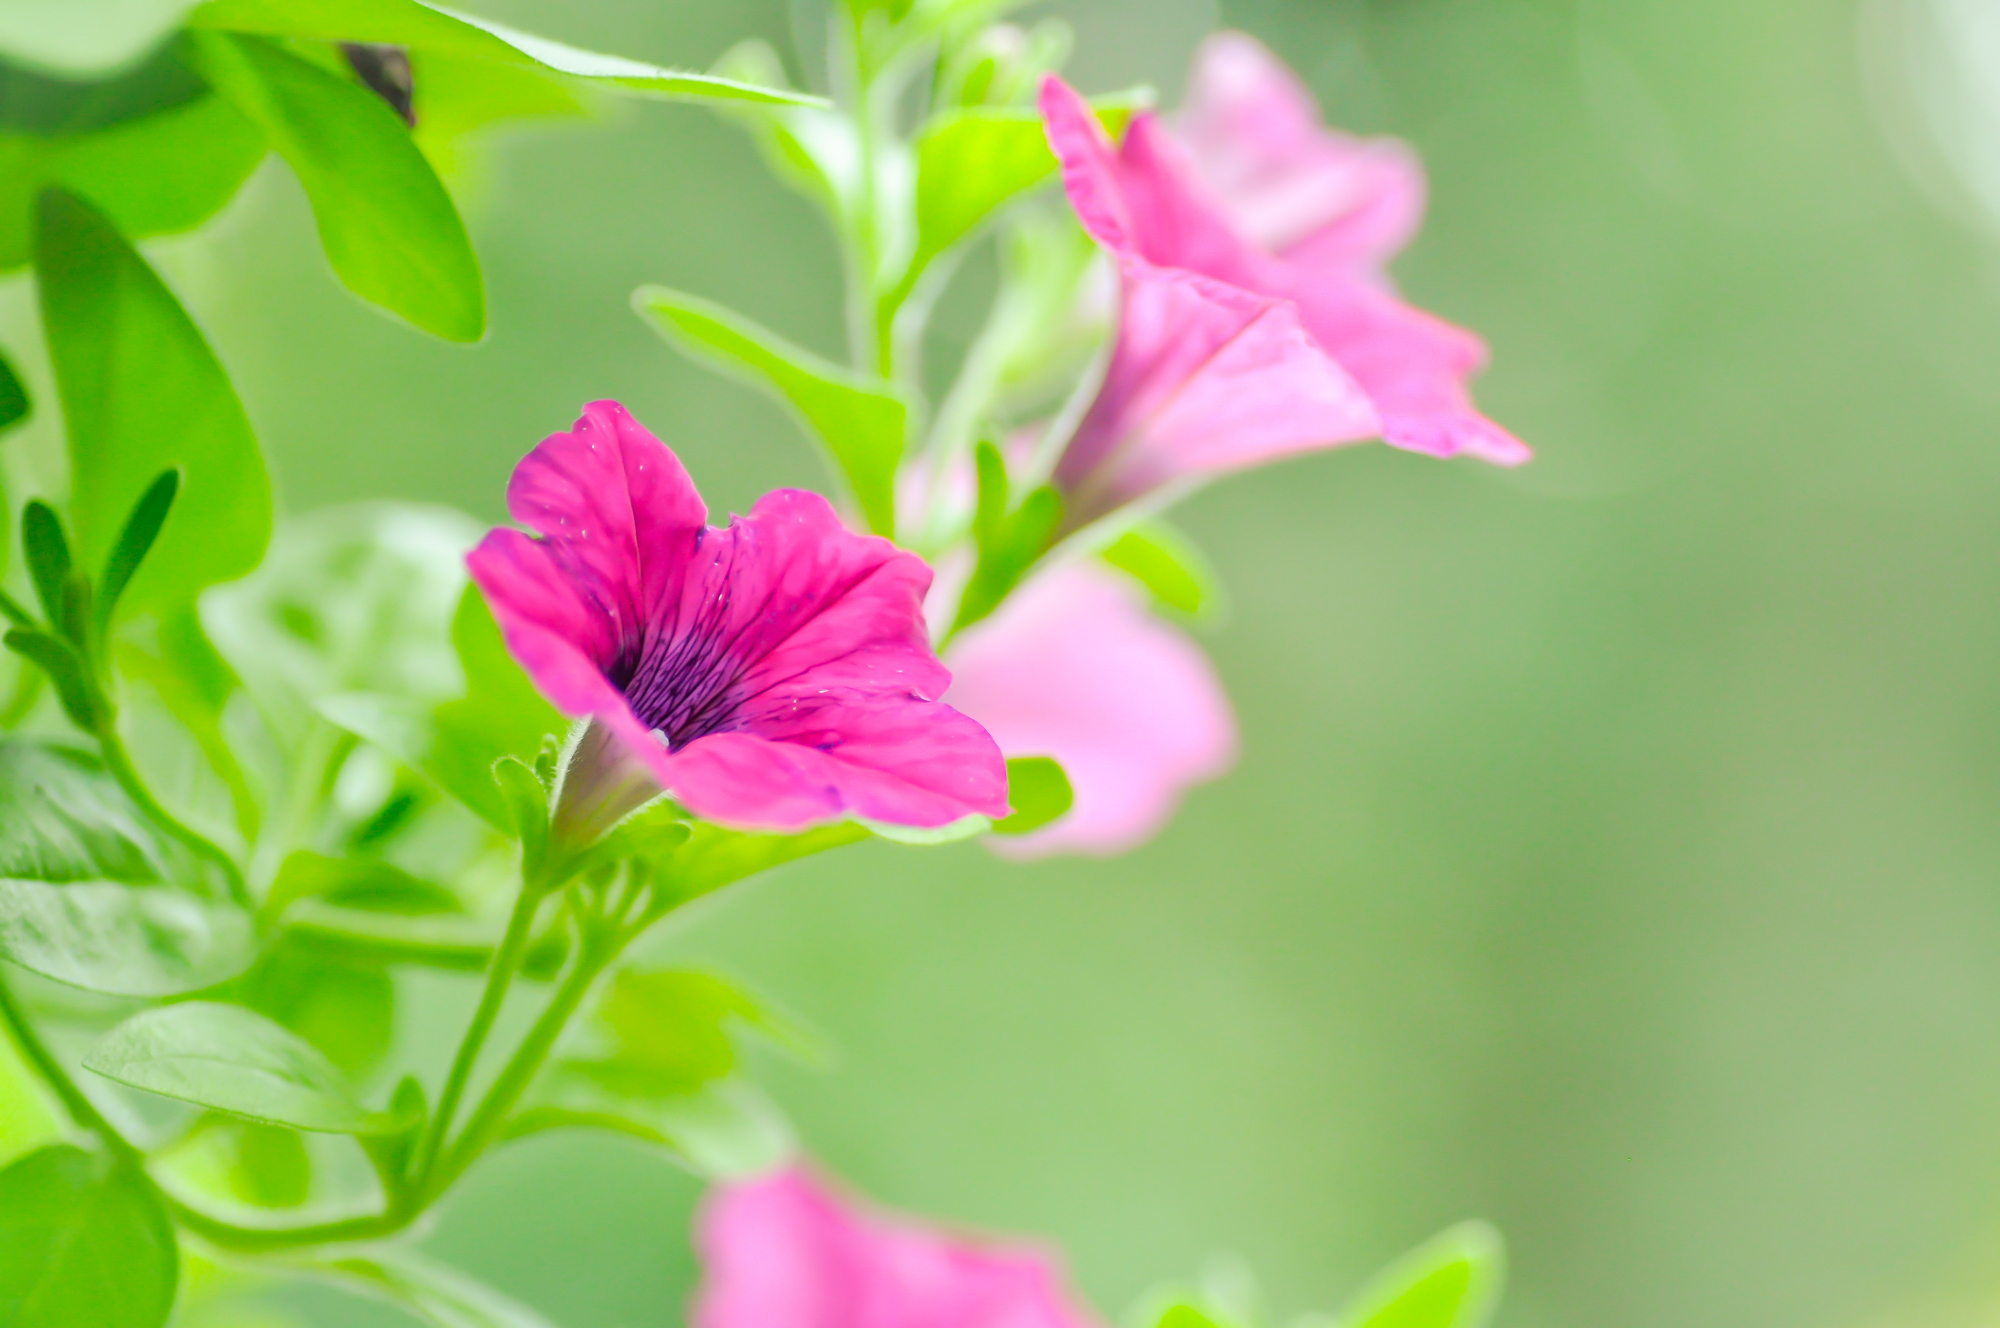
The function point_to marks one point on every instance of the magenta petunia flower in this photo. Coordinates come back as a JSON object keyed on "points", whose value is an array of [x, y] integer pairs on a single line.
{"points": [[1075, 666], [1229, 355], [769, 674], [784, 1251]]}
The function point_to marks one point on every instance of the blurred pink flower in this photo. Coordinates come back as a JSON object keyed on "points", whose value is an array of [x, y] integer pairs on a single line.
{"points": [[769, 675], [1229, 354], [1075, 666], [783, 1251], [1292, 187]]}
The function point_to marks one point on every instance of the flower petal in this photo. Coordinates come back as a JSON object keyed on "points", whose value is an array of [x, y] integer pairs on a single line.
{"points": [[1320, 198], [1204, 378], [782, 1251], [1075, 666]]}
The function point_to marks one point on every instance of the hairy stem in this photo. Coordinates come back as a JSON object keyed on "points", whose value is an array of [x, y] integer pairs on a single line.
{"points": [[506, 962]]}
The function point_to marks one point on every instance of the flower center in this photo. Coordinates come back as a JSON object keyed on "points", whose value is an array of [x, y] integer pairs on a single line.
{"points": [[683, 685]]}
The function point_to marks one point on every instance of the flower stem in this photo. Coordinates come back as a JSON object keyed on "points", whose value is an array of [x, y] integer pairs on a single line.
{"points": [[119, 762], [506, 962], [595, 951], [80, 1108]]}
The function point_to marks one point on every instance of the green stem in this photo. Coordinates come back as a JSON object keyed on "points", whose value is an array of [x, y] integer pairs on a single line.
{"points": [[594, 951], [80, 1108], [498, 979], [119, 762], [263, 1240]]}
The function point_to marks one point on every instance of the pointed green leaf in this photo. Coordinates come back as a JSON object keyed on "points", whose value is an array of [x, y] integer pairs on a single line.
{"points": [[436, 28], [136, 541], [142, 392], [1161, 559], [389, 228], [500, 715], [859, 421], [65, 668], [714, 857], [230, 1059], [1451, 1281], [1008, 544], [84, 1240], [367, 884], [121, 939], [13, 397], [1039, 790], [47, 548], [158, 174]]}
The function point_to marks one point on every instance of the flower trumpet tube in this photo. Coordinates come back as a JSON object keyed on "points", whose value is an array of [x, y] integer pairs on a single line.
{"points": [[769, 674]]}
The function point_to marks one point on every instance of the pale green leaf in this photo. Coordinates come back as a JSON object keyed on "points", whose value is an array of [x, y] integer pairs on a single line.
{"points": [[84, 37], [725, 1128], [714, 857], [85, 1242], [440, 1296], [1451, 1281], [142, 392], [122, 939], [860, 421], [234, 1060], [434, 27], [62, 818], [1039, 790], [1161, 559], [388, 226]]}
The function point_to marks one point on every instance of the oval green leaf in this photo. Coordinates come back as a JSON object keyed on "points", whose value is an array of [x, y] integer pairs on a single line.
{"points": [[1039, 789], [142, 392], [230, 1059], [84, 1239], [1451, 1281], [389, 228], [120, 939]]}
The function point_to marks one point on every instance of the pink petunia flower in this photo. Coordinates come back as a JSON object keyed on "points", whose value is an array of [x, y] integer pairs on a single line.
{"points": [[1075, 666], [1285, 182], [784, 1251], [1229, 355], [770, 674]]}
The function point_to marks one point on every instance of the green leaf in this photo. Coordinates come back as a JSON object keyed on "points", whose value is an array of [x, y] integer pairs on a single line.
{"points": [[500, 715], [351, 599], [1452, 1281], [135, 542], [159, 174], [346, 1009], [62, 818], [1009, 541], [47, 549], [367, 884], [456, 95], [125, 940], [234, 1060], [440, 1296], [80, 37], [1040, 792], [435, 28], [670, 1031], [389, 228], [1184, 1315], [859, 421], [49, 107], [1161, 559], [267, 1165], [141, 393], [973, 160], [714, 857], [84, 1240], [725, 1128], [66, 669], [13, 407]]}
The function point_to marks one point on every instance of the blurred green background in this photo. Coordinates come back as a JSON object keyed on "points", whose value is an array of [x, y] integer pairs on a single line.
{"points": [[1614, 852]]}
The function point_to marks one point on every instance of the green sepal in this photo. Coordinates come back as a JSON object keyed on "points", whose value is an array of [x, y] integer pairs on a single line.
{"points": [[47, 548], [135, 541], [527, 799], [1039, 790]]}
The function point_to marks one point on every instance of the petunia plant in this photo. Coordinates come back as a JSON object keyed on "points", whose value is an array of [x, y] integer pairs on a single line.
{"points": [[252, 777]]}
